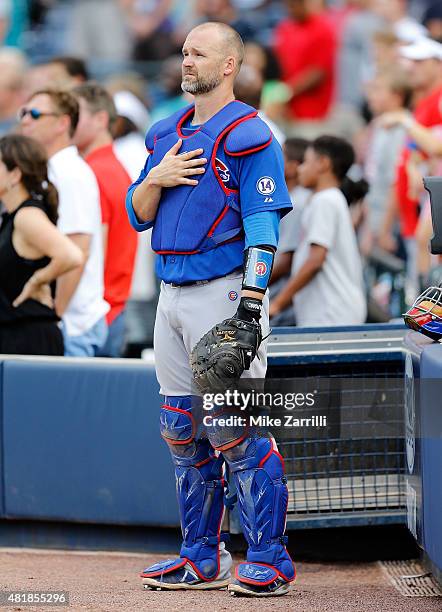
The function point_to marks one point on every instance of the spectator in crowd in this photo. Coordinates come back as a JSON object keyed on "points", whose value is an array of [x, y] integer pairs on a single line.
{"points": [[131, 99], [388, 92], [33, 253], [12, 75], [261, 16], [357, 67], [260, 58], [355, 61], [394, 14], [183, 18], [140, 104], [339, 13], [385, 45], [51, 117], [224, 11], [275, 94], [305, 47], [432, 20], [128, 131], [67, 71], [289, 230], [326, 284], [129, 81], [38, 76], [248, 89], [151, 27], [129, 146], [61, 72], [94, 141], [425, 76], [290, 226], [98, 30], [173, 98]]}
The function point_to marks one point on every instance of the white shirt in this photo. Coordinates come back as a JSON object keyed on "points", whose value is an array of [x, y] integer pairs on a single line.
{"points": [[335, 296], [132, 153], [80, 213], [290, 225]]}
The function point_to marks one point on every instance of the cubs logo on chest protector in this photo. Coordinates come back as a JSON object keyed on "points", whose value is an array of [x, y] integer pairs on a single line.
{"points": [[194, 219]]}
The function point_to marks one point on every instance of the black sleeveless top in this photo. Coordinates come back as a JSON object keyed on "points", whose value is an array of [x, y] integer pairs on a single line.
{"points": [[15, 271]]}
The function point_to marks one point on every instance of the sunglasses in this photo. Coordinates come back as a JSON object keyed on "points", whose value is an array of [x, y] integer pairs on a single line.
{"points": [[34, 113]]}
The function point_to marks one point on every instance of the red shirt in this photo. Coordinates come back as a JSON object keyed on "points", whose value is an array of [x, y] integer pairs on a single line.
{"points": [[300, 46], [122, 242], [428, 113]]}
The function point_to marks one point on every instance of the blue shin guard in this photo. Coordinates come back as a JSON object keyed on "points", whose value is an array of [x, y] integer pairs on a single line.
{"points": [[200, 490], [258, 472]]}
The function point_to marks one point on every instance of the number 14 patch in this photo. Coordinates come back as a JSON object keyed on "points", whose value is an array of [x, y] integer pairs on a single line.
{"points": [[266, 186]]}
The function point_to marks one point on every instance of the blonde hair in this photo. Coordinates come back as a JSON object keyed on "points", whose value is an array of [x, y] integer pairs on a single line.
{"points": [[398, 81]]}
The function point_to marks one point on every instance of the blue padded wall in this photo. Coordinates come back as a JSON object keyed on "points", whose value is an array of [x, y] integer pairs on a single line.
{"points": [[81, 442], [431, 424], [2, 497]]}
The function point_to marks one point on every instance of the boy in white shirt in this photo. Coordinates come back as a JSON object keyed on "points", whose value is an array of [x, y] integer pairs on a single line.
{"points": [[326, 285]]}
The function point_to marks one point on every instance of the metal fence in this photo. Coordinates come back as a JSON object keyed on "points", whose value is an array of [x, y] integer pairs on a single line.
{"points": [[348, 478]]}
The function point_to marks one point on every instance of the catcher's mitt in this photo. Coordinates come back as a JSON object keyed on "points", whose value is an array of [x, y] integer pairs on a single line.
{"points": [[222, 355]]}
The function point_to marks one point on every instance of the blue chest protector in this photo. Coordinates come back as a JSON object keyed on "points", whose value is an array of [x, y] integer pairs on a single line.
{"points": [[195, 219]]}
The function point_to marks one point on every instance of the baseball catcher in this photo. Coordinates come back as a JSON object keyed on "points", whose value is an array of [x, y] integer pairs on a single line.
{"points": [[213, 191]]}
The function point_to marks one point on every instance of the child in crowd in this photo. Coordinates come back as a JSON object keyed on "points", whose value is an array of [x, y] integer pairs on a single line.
{"points": [[326, 285], [388, 92]]}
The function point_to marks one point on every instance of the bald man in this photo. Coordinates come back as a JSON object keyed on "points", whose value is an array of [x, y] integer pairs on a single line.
{"points": [[213, 190]]}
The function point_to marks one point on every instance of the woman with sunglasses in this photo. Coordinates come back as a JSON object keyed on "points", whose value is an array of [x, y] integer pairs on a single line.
{"points": [[33, 253]]}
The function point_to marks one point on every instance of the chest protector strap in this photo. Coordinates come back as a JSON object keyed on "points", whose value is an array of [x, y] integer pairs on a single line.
{"points": [[195, 219]]}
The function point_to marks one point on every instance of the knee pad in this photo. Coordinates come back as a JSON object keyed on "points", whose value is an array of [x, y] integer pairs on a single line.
{"points": [[178, 429], [224, 437], [258, 472], [177, 425]]}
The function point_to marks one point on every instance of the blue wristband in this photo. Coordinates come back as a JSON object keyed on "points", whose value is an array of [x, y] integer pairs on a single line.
{"points": [[258, 268]]}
